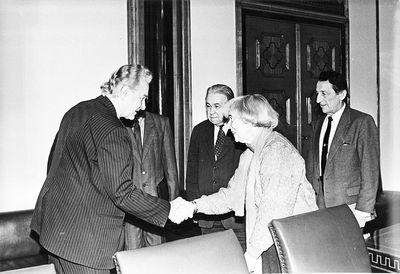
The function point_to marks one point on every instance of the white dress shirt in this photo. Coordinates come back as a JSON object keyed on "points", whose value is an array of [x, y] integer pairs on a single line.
{"points": [[335, 121], [216, 130]]}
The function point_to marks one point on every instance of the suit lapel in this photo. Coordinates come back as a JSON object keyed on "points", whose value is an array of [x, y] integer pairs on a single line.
{"points": [[135, 149], [341, 129], [149, 131], [208, 142]]}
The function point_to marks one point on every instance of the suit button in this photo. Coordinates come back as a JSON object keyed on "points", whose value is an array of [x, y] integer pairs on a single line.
{"points": [[143, 172]]}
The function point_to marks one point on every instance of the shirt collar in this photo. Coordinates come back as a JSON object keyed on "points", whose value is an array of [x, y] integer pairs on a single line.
{"points": [[224, 128], [336, 116]]}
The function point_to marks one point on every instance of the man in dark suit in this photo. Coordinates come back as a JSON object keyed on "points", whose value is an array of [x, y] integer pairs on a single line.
{"points": [[343, 165], [79, 214], [212, 162], [154, 170]]}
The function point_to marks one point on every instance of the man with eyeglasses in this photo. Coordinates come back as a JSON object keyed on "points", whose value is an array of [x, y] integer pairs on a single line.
{"points": [[212, 159]]}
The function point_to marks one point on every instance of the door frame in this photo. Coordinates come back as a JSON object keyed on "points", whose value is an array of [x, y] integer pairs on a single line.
{"points": [[296, 14], [181, 122]]}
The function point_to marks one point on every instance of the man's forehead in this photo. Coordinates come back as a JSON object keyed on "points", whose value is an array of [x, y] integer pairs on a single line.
{"points": [[216, 98], [324, 85]]}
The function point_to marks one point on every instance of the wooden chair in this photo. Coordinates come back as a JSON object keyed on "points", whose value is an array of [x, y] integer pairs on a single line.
{"points": [[327, 240]]}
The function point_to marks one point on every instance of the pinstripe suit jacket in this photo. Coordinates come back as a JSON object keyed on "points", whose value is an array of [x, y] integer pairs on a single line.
{"points": [[79, 214], [352, 167], [205, 176]]}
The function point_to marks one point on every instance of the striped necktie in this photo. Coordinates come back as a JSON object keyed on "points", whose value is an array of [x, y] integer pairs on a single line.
{"points": [[219, 143]]}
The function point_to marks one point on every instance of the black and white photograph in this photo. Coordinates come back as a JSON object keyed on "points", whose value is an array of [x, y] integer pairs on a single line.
{"points": [[199, 136]]}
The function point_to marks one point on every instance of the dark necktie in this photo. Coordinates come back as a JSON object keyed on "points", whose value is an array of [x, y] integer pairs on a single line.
{"points": [[219, 143], [138, 136], [325, 143]]}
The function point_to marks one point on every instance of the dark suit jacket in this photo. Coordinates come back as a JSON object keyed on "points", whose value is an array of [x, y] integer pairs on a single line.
{"points": [[352, 168], [204, 175], [158, 160], [80, 211]]}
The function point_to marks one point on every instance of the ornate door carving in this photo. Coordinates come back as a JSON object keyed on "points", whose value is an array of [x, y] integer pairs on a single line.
{"points": [[320, 48], [270, 68], [283, 60]]}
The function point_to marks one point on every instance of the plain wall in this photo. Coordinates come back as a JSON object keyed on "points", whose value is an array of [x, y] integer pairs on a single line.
{"points": [[213, 50], [377, 93], [389, 74], [363, 57], [53, 55]]}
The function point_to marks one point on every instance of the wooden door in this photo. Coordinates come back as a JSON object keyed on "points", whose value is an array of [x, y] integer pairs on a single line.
{"points": [[270, 68], [321, 50], [283, 59]]}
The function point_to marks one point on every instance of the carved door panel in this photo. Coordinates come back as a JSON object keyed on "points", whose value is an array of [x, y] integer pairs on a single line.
{"points": [[270, 68], [320, 51], [283, 60]]}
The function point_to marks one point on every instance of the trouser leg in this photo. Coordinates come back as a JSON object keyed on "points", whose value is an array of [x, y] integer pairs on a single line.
{"points": [[270, 261], [133, 237]]}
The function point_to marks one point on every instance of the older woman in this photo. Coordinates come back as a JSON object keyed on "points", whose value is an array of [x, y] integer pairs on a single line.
{"points": [[269, 182]]}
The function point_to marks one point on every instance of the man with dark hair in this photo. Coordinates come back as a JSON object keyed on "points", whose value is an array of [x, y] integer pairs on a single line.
{"points": [[343, 163], [212, 159]]}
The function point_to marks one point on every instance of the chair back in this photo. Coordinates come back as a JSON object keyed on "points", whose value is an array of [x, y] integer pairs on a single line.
{"points": [[218, 252], [325, 240], [18, 247], [41, 269]]}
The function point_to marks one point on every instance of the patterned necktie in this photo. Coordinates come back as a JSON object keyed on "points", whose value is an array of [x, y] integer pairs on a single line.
{"points": [[219, 143], [138, 136], [324, 153]]}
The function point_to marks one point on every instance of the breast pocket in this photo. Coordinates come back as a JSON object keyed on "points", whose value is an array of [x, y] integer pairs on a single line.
{"points": [[346, 146]]}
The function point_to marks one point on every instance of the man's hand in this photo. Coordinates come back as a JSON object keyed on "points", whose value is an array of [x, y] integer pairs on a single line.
{"points": [[362, 217], [180, 210], [251, 262]]}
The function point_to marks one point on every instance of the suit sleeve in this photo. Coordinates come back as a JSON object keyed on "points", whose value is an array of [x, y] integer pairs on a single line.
{"points": [[115, 162], [169, 162], [369, 155], [232, 197], [192, 180]]}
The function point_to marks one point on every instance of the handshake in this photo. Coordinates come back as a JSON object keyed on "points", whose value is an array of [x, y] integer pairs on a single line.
{"points": [[181, 210]]}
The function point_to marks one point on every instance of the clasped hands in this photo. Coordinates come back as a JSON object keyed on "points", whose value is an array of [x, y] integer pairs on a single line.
{"points": [[181, 210]]}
